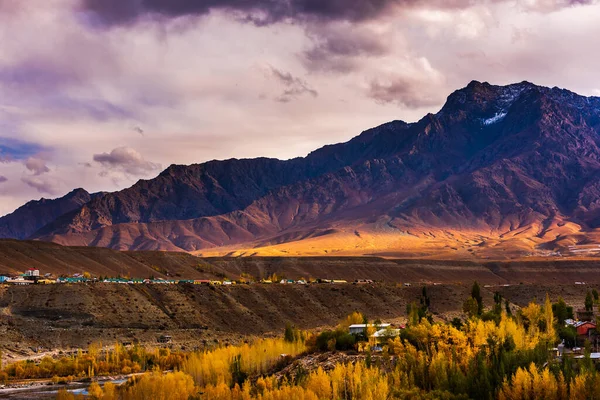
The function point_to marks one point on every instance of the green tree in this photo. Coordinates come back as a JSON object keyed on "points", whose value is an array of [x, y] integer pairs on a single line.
{"points": [[290, 334], [589, 302], [507, 307], [497, 303], [470, 307], [562, 311], [476, 295], [237, 375]]}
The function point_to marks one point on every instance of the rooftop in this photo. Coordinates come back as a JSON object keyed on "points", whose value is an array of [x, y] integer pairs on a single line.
{"points": [[368, 325]]}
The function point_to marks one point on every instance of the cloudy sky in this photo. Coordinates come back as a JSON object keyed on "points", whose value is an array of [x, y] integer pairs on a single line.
{"points": [[100, 93]]}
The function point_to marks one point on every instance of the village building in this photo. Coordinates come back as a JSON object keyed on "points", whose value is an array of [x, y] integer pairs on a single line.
{"points": [[359, 329], [32, 272], [383, 335], [584, 328], [3, 278], [165, 339], [18, 281]]}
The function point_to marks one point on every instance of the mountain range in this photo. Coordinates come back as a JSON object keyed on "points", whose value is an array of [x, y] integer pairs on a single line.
{"points": [[499, 171]]}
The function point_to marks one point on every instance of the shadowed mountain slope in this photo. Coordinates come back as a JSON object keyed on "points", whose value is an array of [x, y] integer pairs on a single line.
{"points": [[496, 162], [30, 217]]}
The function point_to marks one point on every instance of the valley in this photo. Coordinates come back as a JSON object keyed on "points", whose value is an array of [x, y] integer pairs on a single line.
{"points": [[68, 316]]}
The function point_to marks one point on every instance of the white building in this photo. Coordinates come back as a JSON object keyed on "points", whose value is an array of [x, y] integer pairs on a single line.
{"points": [[359, 329], [32, 272]]}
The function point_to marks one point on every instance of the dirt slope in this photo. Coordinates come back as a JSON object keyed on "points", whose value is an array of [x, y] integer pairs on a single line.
{"points": [[75, 315]]}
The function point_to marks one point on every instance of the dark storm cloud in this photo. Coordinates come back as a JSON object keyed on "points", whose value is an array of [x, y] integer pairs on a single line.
{"points": [[340, 48], [3, 179], [261, 12], [264, 12]]}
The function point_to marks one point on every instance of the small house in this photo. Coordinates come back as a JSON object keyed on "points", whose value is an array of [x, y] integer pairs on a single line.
{"points": [[359, 329], [3, 278], [383, 335], [584, 328], [32, 272], [165, 339], [18, 281]]}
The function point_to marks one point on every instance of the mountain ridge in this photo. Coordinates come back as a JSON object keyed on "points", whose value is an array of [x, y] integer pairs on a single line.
{"points": [[493, 161]]}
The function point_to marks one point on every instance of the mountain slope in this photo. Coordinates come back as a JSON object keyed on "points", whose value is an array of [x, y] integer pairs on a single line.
{"points": [[514, 165], [30, 217], [216, 187]]}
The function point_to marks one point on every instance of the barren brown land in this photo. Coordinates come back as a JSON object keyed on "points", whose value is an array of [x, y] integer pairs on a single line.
{"points": [[63, 317]]}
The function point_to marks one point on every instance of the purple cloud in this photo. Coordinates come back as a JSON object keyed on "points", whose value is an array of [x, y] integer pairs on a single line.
{"points": [[294, 86], [339, 48], [402, 91], [41, 185], [3, 179], [265, 12], [36, 165], [127, 160]]}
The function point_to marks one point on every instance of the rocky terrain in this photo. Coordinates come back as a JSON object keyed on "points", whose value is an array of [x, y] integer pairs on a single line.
{"points": [[59, 317], [34, 215], [498, 172], [63, 317]]}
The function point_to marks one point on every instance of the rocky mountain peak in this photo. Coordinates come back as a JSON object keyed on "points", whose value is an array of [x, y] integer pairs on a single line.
{"points": [[493, 160]]}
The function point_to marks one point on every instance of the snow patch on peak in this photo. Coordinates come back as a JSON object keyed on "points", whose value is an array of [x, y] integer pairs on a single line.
{"points": [[496, 118], [509, 94]]}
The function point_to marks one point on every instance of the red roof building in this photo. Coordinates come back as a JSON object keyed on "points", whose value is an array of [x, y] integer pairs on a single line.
{"points": [[583, 328]]}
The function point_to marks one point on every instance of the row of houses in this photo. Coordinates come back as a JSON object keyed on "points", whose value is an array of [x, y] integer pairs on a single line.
{"points": [[32, 276]]}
